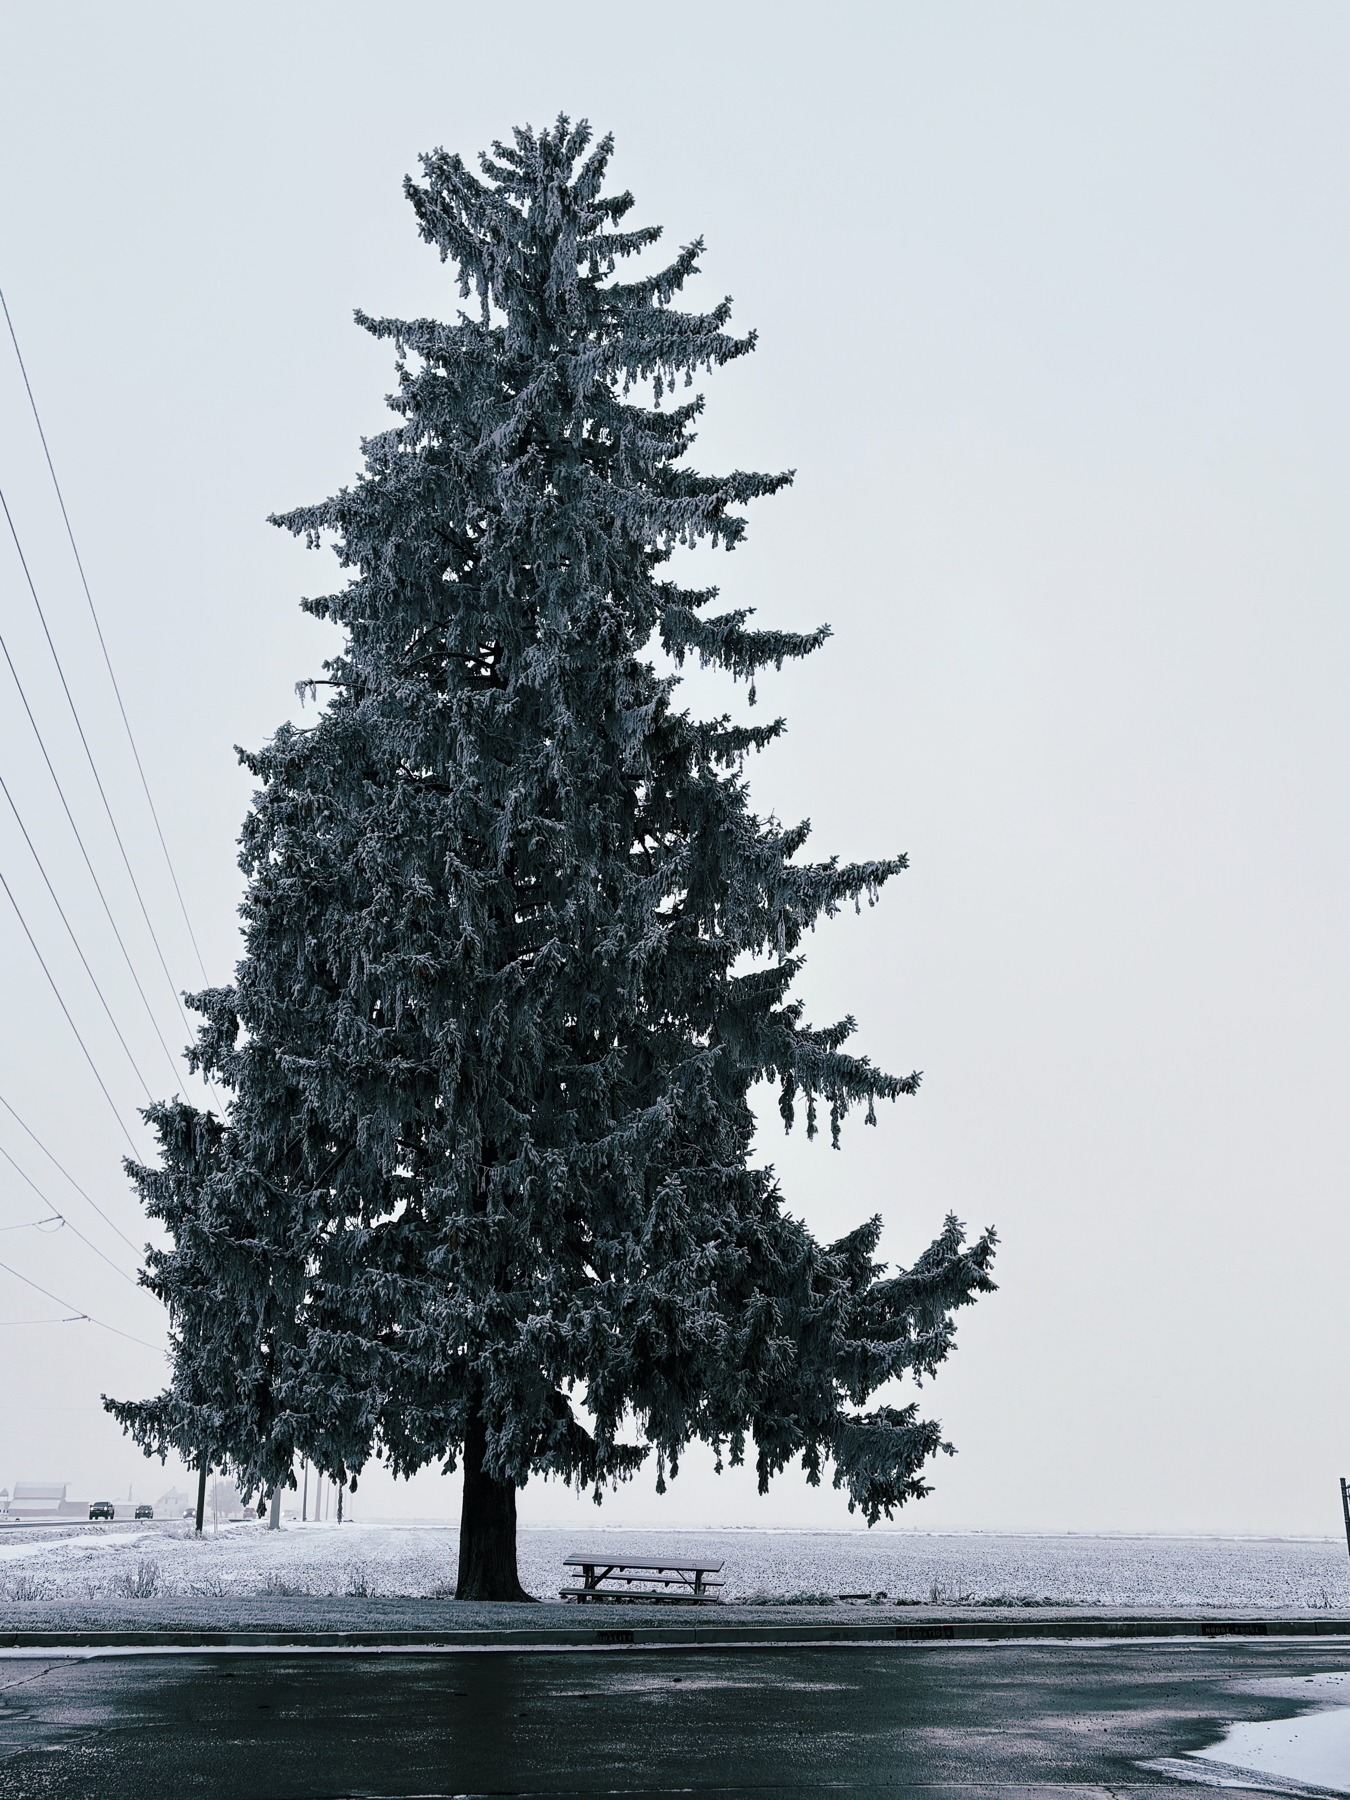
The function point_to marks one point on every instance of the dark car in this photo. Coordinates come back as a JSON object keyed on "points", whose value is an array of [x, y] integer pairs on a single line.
{"points": [[101, 1509], [145, 1512]]}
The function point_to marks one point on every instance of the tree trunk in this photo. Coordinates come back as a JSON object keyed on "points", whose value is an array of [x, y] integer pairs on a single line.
{"points": [[487, 1528], [274, 1512]]}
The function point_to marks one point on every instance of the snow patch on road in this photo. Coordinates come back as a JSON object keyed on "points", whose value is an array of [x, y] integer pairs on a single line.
{"points": [[1313, 1750], [1305, 1755]]}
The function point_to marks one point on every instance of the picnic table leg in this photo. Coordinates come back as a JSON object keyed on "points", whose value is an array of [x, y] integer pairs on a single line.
{"points": [[590, 1580]]}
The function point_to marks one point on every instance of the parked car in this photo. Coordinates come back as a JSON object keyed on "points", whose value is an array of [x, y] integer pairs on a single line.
{"points": [[101, 1509], [145, 1512]]}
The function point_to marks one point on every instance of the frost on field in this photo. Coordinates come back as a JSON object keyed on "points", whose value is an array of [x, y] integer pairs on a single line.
{"points": [[418, 1560]]}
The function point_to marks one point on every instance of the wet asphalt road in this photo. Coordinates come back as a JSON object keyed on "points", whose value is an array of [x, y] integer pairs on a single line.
{"points": [[1041, 1718]]}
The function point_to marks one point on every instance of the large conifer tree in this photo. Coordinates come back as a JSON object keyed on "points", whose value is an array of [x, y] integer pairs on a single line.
{"points": [[518, 951]]}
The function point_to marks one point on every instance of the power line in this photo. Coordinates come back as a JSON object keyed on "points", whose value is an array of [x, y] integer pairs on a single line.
{"points": [[23, 1176], [66, 1010], [62, 1170], [98, 629], [98, 885], [93, 766], [32, 1224], [74, 940], [73, 1319], [57, 1300]]}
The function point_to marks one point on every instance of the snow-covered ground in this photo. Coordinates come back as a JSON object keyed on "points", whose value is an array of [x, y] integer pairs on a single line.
{"points": [[417, 1560]]}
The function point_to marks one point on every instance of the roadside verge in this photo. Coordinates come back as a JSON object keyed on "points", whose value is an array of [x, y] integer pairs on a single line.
{"points": [[701, 1635]]}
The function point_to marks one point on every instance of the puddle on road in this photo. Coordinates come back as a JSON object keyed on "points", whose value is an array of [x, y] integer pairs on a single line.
{"points": [[1313, 1751], [1306, 1755]]}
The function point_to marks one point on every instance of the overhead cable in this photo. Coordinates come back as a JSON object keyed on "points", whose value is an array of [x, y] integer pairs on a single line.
{"points": [[70, 930], [89, 756], [70, 1319], [62, 1170], [69, 1020], [56, 1298], [93, 876], [23, 1176], [98, 629]]}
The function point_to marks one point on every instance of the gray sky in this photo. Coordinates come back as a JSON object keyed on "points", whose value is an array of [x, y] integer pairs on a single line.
{"points": [[1051, 302]]}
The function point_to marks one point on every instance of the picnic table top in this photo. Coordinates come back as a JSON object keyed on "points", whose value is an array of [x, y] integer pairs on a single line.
{"points": [[703, 1567]]}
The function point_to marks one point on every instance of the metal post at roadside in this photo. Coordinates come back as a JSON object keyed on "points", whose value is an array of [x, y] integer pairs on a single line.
{"points": [[304, 1504], [201, 1495], [1345, 1509]]}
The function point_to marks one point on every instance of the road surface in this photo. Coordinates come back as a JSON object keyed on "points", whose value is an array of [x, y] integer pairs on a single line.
{"points": [[1005, 1719]]}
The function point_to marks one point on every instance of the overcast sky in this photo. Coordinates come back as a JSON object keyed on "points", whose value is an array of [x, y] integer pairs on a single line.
{"points": [[1051, 301]]}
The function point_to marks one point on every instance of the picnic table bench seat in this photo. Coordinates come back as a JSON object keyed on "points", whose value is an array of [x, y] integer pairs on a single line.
{"points": [[669, 1582]]}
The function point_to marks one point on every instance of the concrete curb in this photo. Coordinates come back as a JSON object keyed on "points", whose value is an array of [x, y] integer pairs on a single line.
{"points": [[707, 1636]]}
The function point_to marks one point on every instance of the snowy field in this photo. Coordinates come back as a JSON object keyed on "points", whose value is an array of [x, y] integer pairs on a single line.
{"points": [[417, 1560]]}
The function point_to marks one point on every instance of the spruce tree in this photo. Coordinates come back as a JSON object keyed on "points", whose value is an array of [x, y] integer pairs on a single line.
{"points": [[518, 952]]}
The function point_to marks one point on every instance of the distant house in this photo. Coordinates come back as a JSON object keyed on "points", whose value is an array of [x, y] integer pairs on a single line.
{"points": [[174, 1504], [44, 1500]]}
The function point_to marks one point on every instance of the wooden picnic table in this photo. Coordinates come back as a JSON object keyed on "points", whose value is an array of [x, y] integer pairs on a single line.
{"points": [[670, 1582]]}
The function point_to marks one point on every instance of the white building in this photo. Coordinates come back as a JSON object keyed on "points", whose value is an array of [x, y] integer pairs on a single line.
{"points": [[44, 1500]]}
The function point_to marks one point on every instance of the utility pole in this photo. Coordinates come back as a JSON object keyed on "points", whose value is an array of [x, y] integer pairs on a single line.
{"points": [[1345, 1509], [304, 1504]]}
